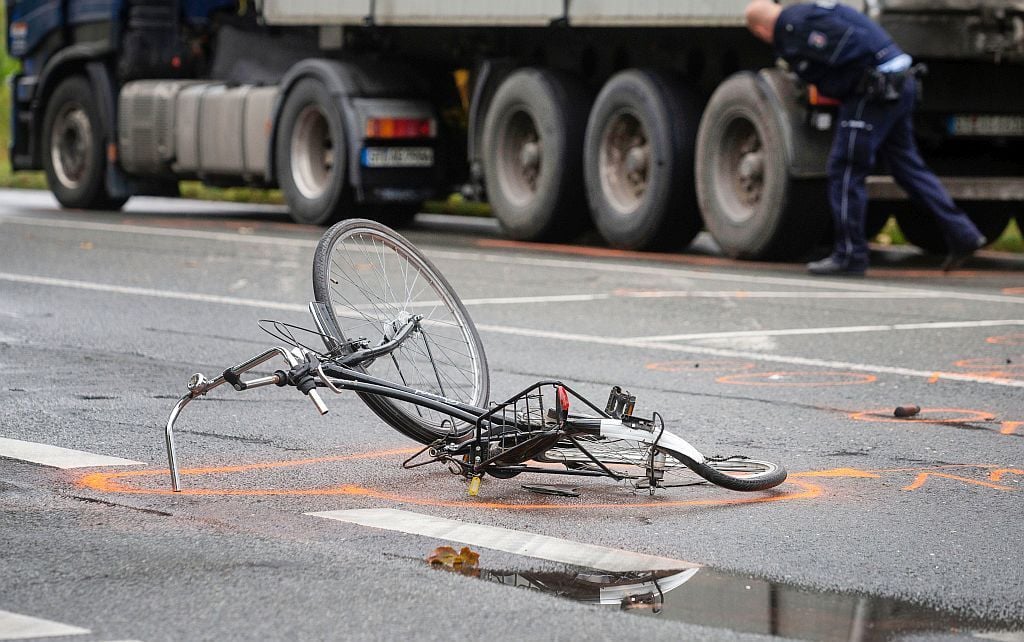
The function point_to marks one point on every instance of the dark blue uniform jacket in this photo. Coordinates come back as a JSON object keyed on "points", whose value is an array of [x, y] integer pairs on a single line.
{"points": [[831, 45]]}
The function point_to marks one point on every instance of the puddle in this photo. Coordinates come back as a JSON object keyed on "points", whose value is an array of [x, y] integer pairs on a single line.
{"points": [[711, 598]]}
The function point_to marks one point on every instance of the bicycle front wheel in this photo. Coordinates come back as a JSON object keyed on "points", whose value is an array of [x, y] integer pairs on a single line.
{"points": [[373, 281]]}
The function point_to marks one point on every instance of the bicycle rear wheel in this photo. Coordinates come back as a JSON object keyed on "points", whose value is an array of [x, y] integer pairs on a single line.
{"points": [[639, 461], [373, 280]]}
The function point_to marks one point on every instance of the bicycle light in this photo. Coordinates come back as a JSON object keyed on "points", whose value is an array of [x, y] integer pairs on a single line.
{"points": [[196, 381]]}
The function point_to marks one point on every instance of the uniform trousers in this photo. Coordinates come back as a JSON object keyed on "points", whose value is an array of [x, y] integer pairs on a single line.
{"points": [[870, 128]]}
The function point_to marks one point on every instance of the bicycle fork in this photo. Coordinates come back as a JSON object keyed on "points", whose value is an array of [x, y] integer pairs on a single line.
{"points": [[198, 385]]}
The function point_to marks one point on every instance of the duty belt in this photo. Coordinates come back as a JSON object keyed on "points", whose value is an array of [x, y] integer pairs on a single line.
{"points": [[888, 87]]}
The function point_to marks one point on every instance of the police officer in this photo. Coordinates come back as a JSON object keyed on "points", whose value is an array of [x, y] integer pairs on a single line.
{"points": [[852, 59]]}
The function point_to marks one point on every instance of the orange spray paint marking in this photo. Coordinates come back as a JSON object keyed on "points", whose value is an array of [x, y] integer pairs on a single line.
{"points": [[923, 477], [798, 379], [1007, 339], [109, 482], [839, 472], [1012, 291], [935, 377], [1010, 427], [997, 475], [927, 415], [709, 365]]}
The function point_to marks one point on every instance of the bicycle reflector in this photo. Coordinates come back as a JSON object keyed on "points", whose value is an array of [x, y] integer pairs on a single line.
{"points": [[562, 403], [392, 128]]}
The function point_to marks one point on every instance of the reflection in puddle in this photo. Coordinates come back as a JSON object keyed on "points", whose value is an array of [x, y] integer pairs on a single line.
{"points": [[714, 599]]}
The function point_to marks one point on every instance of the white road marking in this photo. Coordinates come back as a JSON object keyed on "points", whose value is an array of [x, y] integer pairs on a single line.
{"points": [[57, 457], [150, 292], [528, 332], [852, 329], [683, 294], [477, 257], [510, 541], [22, 627], [292, 307], [128, 228], [771, 294], [751, 356]]}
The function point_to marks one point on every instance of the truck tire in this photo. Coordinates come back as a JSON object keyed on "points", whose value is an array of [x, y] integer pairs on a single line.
{"points": [[532, 152], [751, 204], [920, 227], [74, 154], [310, 155], [638, 162]]}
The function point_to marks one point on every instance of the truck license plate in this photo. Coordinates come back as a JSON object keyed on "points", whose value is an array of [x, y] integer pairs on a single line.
{"points": [[398, 157], [986, 125]]}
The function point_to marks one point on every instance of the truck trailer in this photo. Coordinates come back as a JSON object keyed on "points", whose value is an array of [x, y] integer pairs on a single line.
{"points": [[648, 120]]}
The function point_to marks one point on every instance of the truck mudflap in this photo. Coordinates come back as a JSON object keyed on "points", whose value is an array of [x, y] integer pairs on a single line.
{"points": [[807, 147]]}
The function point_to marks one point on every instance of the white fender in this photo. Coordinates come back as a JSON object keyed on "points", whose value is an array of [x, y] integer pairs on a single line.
{"points": [[614, 429]]}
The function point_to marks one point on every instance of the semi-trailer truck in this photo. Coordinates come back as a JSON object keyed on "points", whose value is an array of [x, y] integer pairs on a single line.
{"points": [[649, 120]]}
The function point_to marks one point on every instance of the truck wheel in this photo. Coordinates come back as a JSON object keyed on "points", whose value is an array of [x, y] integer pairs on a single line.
{"points": [[921, 228], [638, 162], [532, 151], [310, 155], [73, 154], [751, 205]]}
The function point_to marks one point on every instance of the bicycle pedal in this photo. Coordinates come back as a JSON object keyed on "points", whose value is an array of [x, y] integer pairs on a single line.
{"points": [[620, 403], [474, 486]]}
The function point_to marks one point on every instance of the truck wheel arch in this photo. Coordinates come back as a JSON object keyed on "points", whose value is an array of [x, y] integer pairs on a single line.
{"points": [[332, 74], [343, 79], [76, 59], [760, 170]]}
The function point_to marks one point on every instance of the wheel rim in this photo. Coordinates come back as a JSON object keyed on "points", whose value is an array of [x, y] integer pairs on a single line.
{"points": [[375, 285], [632, 459], [519, 158], [312, 153], [740, 172], [71, 145], [624, 162]]}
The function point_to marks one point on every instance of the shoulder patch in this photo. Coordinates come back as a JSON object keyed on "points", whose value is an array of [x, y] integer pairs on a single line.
{"points": [[817, 40]]}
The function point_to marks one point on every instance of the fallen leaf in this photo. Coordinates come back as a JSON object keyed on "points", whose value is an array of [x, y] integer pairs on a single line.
{"points": [[446, 557]]}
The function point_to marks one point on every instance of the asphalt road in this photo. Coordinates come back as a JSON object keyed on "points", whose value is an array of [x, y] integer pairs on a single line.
{"points": [[103, 316]]}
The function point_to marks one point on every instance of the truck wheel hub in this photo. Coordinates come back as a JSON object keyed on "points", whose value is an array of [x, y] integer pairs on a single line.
{"points": [[625, 158], [751, 175], [520, 158], [71, 145], [312, 155]]}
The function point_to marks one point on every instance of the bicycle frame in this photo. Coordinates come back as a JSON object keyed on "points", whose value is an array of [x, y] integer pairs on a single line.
{"points": [[469, 450]]}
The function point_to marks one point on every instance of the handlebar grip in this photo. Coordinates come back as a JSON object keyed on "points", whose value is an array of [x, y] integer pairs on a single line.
{"points": [[321, 407]]}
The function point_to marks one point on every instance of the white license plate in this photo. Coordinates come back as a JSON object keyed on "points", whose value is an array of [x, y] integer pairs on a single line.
{"points": [[986, 125], [398, 157]]}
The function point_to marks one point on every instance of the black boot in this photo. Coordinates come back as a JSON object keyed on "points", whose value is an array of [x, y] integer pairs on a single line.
{"points": [[831, 266], [958, 257]]}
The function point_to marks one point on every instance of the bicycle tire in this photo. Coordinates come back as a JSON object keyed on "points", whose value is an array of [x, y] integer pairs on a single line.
{"points": [[631, 459], [371, 278], [767, 474]]}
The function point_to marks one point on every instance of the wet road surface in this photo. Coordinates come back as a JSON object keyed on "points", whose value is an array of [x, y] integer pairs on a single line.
{"points": [[104, 316]]}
